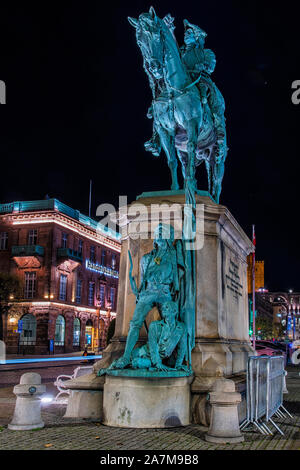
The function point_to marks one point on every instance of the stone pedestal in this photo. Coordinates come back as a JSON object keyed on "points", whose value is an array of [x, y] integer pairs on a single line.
{"points": [[224, 425], [27, 414], [86, 397], [222, 344], [146, 402]]}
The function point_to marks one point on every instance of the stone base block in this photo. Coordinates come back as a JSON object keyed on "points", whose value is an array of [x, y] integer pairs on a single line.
{"points": [[85, 404], [222, 440], [138, 402]]}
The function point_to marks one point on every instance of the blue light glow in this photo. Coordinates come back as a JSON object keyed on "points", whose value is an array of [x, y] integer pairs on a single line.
{"points": [[49, 359]]}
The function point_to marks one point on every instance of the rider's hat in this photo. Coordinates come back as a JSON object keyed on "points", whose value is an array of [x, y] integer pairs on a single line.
{"points": [[199, 33]]}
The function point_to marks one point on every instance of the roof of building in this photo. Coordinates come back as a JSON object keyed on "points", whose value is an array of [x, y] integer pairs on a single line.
{"points": [[55, 204]]}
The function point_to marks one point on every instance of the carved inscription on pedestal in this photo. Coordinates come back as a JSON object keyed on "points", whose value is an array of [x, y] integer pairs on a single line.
{"points": [[233, 280]]}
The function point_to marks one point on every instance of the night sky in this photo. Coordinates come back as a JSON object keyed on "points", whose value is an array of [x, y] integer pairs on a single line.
{"points": [[77, 98]]}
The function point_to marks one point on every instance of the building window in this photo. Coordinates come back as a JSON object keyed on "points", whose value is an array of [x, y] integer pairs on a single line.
{"points": [[91, 293], [78, 291], [30, 285], [112, 297], [92, 254], [102, 295], [103, 256], [63, 287], [28, 334], [76, 332], [59, 331], [32, 237], [80, 247], [89, 334], [3, 240], [113, 261], [64, 240]]}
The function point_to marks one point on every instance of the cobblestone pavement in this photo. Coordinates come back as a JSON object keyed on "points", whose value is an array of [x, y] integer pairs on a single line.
{"points": [[77, 434]]}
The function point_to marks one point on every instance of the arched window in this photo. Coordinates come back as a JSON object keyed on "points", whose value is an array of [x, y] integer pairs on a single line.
{"points": [[28, 335], [60, 331], [76, 332]]}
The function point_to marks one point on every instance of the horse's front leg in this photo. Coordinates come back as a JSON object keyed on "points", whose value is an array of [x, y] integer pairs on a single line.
{"points": [[192, 134], [167, 141]]}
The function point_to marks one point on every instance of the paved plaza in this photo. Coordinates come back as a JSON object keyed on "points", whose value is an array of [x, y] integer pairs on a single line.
{"points": [[77, 434]]}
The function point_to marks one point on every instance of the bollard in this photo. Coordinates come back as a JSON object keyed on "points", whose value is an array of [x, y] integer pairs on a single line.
{"points": [[224, 421], [27, 414], [284, 389]]}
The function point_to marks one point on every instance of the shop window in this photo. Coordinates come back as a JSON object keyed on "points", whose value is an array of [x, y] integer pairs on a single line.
{"points": [[60, 331], [28, 334], [76, 332]]}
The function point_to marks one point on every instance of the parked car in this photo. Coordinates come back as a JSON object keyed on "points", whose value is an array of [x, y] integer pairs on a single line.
{"points": [[270, 349]]}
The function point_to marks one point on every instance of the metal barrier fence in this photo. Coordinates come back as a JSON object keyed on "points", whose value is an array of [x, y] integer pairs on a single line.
{"points": [[265, 381]]}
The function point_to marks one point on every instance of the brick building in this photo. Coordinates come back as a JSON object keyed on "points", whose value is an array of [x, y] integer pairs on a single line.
{"points": [[68, 266], [259, 274]]}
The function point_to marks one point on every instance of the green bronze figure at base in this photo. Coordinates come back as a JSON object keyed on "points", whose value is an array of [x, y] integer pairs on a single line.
{"points": [[161, 273]]}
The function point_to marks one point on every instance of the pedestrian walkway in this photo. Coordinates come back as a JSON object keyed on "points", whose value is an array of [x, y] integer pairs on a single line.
{"points": [[78, 434]]}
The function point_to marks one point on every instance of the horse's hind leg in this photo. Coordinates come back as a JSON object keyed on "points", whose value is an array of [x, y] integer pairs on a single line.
{"points": [[168, 144], [207, 166], [182, 156]]}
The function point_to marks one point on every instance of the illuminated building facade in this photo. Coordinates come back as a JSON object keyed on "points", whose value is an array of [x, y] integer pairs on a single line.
{"points": [[259, 274], [68, 267]]}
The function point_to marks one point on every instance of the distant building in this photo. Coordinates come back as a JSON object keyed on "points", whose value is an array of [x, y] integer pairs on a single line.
{"points": [[286, 311], [68, 266], [259, 274]]}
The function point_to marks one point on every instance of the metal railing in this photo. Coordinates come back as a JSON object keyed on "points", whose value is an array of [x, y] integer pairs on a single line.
{"points": [[265, 384]]}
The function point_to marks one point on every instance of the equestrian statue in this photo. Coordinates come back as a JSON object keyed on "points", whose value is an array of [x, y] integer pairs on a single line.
{"points": [[187, 108]]}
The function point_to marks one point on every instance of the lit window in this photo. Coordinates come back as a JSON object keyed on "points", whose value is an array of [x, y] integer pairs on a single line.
{"points": [[28, 334], [60, 331], [63, 287], [102, 295], [30, 285], [78, 291], [93, 254], [3, 240], [32, 237], [91, 293], [112, 296], [113, 261], [76, 332], [80, 247]]}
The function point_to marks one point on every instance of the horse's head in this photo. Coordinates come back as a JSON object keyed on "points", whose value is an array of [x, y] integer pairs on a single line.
{"points": [[148, 34]]}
